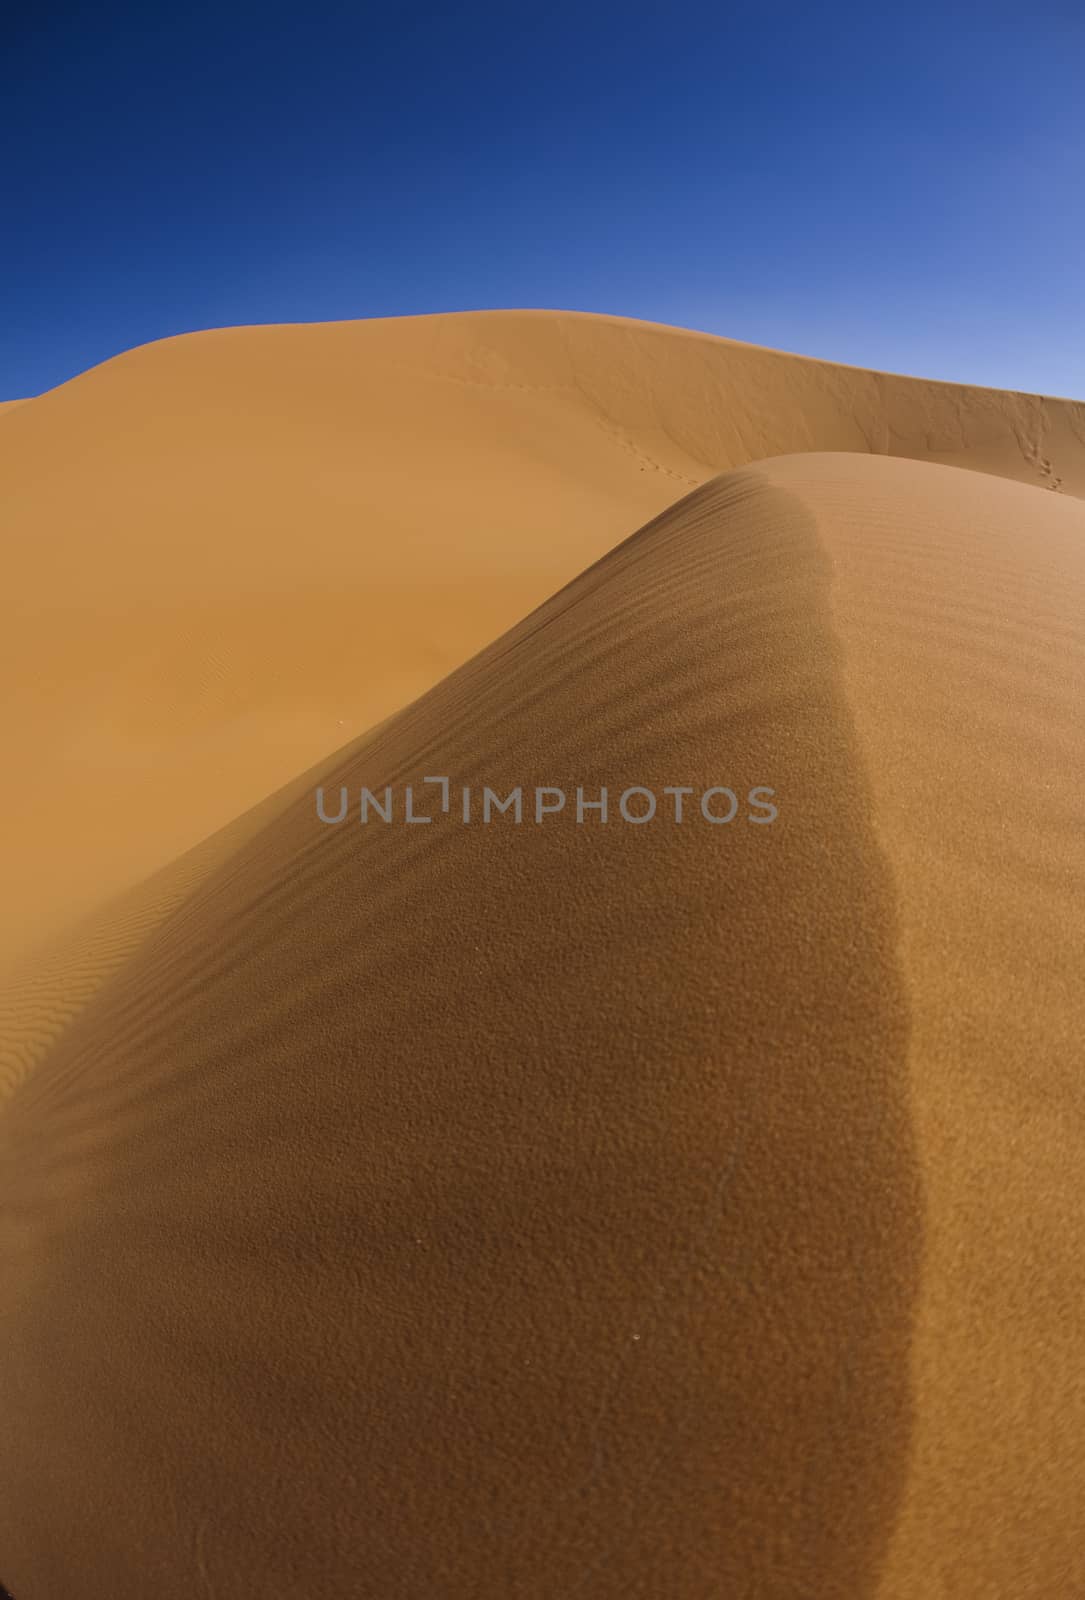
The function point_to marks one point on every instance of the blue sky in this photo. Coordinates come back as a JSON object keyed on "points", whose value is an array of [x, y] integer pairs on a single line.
{"points": [[901, 188]]}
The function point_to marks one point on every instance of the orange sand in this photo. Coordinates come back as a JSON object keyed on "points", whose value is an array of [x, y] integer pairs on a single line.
{"points": [[557, 1211], [232, 552]]}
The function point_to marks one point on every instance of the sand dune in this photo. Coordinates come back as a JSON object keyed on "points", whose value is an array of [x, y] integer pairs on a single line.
{"points": [[230, 553], [686, 1212]]}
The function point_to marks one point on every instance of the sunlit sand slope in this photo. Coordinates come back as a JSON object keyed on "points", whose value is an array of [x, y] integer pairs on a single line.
{"points": [[228, 553], [605, 1210]]}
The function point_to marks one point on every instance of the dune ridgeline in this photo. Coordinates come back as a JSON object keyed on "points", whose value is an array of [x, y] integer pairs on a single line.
{"points": [[557, 1208]]}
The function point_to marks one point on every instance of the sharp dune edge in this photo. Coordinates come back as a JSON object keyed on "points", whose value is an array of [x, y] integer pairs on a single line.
{"points": [[548, 1211]]}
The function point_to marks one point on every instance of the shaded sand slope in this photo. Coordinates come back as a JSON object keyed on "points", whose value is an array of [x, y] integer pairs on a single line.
{"points": [[605, 1211], [230, 552], [43, 991]]}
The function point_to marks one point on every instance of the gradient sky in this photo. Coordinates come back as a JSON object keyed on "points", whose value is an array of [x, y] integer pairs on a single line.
{"points": [[896, 187]]}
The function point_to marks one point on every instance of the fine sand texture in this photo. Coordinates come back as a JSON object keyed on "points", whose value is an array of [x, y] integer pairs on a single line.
{"points": [[230, 553], [581, 1212]]}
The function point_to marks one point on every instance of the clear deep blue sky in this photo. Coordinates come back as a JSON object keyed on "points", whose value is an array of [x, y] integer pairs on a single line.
{"points": [[897, 187]]}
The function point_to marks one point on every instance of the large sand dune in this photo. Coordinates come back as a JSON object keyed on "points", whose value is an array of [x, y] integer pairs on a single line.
{"points": [[230, 552], [556, 1210], [466, 1211]]}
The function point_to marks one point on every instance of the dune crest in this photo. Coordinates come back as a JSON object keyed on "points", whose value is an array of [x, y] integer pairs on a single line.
{"points": [[605, 1211]]}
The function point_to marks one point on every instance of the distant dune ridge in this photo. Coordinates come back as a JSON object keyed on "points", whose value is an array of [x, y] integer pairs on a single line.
{"points": [[684, 1213]]}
